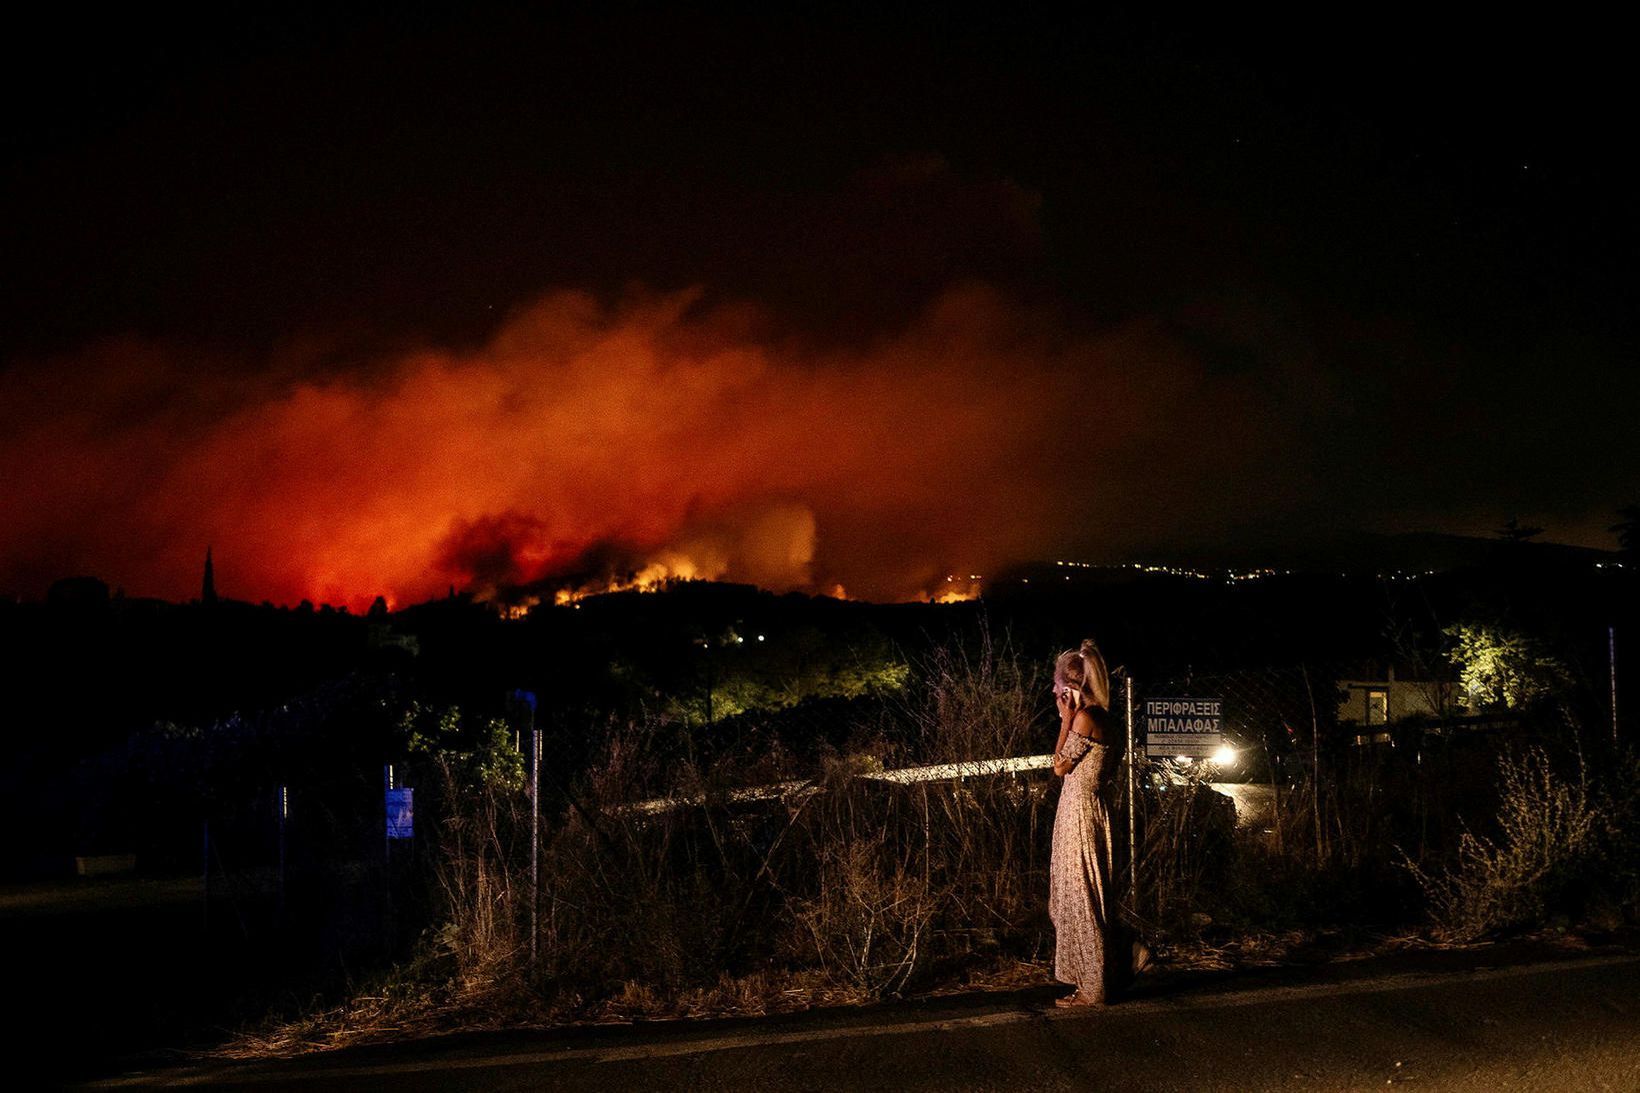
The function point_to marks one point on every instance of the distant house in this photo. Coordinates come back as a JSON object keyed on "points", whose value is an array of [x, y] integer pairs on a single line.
{"points": [[1369, 706]]}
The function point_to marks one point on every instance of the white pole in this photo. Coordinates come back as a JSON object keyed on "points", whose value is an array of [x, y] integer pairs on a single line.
{"points": [[1133, 851], [387, 839], [1611, 661], [535, 835]]}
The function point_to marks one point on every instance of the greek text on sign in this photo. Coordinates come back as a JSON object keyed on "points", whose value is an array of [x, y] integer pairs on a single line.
{"points": [[1192, 727], [401, 813]]}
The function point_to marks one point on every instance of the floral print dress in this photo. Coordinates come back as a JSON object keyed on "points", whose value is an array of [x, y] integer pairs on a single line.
{"points": [[1079, 899]]}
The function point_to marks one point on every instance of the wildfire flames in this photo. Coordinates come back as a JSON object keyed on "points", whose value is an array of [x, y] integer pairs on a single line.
{"points": [[587, 446]]}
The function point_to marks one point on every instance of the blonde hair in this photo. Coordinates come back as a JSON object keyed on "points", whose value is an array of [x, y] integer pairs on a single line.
{"points": [[1082, 673]]}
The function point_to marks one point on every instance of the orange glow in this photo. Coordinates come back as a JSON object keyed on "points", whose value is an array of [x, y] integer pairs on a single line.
{"points": [[520, 609], [956, 591], [586, 447], [651, 578]]}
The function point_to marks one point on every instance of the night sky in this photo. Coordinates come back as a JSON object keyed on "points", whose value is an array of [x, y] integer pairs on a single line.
{"points": [[383, 304]]}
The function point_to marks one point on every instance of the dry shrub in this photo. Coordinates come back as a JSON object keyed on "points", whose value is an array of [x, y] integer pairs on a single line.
{"points": [[982, 703], [984, 838], [865, 882], [1619, 805], [660, 898], [988, 839], [476, 873], [870, 922], [1547, 836], [1183, 834]]}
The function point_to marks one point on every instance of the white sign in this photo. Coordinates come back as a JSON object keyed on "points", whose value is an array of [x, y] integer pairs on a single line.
{"points": [[1190, 727]]}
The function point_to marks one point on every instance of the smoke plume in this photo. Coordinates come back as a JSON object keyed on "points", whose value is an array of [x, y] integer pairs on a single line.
{"points": [[591, 441]]}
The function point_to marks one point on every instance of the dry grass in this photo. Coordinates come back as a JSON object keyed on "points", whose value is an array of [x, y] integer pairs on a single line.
{"points": [[852, 889], [403, 1008]]}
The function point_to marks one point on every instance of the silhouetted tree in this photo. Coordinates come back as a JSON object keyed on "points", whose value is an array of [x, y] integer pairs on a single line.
{"points": [[1628, 529], [207, 587], [1515, 533]]}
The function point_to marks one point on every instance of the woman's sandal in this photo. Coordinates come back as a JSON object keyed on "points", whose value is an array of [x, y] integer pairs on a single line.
{"points": [[1075, 1000], [1142, 958]]}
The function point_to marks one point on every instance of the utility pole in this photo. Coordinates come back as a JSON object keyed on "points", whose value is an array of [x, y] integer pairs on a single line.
{"points": [[1611, 662]]}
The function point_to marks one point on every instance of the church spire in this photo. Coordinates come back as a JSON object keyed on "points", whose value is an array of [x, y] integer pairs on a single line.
{"points": [[207, 591]]}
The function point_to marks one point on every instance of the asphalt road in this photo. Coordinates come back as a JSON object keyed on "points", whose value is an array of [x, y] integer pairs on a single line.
{"points": [[100, 968], [1568, 1024]]}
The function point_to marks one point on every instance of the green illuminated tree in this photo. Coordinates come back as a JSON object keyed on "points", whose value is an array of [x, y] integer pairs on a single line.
{"points": [[481, 751], [1502, 668]]}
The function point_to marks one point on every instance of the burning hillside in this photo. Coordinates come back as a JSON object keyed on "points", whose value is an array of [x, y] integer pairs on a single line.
{"points": [[588, 445]]}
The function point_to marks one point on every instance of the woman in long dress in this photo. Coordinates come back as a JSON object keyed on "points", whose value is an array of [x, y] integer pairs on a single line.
{"points": [[1081, 901]]}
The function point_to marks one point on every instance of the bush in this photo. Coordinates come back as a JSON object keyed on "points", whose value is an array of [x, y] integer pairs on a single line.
{"points": [[1618, 873], [978, 705], [654, 897], [871, 920], [1548, 828], [1184, 835]]}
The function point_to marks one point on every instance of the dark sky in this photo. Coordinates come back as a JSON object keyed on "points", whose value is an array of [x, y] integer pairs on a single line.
{"points": [[1286, 276]]}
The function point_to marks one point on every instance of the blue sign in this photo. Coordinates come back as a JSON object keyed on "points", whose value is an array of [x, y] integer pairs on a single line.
{"points": [[401, 813]]}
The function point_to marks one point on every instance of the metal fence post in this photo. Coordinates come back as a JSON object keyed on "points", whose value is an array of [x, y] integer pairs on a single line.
{"points": [[283, 805], [1611, 662], [387, 839], [205, 879], [535, 837], [387, 854], [1133, 851]]}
